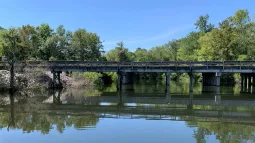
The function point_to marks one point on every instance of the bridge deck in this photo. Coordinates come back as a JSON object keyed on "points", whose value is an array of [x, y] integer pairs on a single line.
{"points": [[83, 66]]}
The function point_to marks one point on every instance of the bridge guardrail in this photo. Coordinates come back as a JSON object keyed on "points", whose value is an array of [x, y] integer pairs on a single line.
{"points": [[163, 64]]}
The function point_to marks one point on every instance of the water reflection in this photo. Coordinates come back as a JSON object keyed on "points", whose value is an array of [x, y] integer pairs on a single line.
{"points": [[214, 112]]}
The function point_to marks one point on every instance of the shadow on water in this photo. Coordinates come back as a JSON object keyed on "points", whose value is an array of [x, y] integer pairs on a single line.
{"points": [[210, 111]]}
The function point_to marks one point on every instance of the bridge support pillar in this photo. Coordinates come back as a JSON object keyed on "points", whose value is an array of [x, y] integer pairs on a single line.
{"points": [[217, 99], [253, 80], [191, 79], [119, 82], [167, 88], [249, 83], [127, 78], [56, 81], [217, 78], [212, 79], [245, 82], [242, 78], [190, 105]]}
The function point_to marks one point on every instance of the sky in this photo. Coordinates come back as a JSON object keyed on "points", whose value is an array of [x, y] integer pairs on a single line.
{"points": [[138, 23]]}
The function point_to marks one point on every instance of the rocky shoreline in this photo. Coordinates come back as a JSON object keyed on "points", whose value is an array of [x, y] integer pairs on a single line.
{"points": [[36, 80]]}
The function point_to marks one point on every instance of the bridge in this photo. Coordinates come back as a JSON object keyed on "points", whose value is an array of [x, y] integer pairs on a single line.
{"points": [[137, 112], [211, 70], [132, 98]]}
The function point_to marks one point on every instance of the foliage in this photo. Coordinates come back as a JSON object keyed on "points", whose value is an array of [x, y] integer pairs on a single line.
{"points": [[232, 39], [42, 43], [92, 76]]}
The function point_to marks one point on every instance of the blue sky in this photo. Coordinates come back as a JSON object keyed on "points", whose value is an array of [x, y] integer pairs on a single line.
{"points": [[139, 23]]}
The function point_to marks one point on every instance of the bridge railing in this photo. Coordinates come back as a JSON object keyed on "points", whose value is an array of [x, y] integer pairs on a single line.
{"points": [[163, 64]]}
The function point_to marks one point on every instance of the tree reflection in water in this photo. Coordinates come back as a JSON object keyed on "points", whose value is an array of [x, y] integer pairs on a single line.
{"points": [[32, 114]]}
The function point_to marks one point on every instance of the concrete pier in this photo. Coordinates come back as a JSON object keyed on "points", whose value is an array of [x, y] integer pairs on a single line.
{"points": [[119, 82], [247, 82], [191, 79], [127, 78], [167, 88], [56, 80], [211, 79]]}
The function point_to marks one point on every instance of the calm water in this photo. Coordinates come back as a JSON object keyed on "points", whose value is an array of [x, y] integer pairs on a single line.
{"points": [[141, 113]]}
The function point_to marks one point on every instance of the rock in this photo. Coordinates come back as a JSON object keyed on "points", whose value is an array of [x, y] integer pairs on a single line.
{"points": [[40, 79]]}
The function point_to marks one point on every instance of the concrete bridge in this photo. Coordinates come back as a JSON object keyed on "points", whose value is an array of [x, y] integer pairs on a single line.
{"points": [[211, 70]]}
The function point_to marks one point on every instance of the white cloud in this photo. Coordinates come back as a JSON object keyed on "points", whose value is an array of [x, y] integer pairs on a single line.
{"points": [[167, 34]]}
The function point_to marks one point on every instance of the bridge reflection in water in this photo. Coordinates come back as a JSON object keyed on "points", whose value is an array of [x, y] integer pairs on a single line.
{"points": [[211, 107], [85, 111]]}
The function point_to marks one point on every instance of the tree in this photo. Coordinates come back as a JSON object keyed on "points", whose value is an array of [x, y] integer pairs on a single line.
{"points": [[14, 49], [141, 55], [56, 46], [1, 28], [203, 25], [188, 47], [219, 44], [173, 46], [120, 54], [161, 53], [29, 39], [241, 18], [61, 31], [86, 46], [44, 31], [244, 31]]}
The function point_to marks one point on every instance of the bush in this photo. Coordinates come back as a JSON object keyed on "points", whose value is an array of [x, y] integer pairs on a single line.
{"points": [[93, 77]]}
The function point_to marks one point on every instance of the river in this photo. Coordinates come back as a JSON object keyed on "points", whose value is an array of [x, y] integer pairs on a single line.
{"points": [[140, 113]]}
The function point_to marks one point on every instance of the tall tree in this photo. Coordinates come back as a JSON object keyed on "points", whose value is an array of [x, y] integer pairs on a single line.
{"points": [[188, 47], [120, 53], [44, 31], [141, 55], [14, 49], [219, 44], [86, 46], [203, 25], [173, 46]]}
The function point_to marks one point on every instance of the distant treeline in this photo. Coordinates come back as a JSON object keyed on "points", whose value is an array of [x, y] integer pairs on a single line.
{"points": [[232, 39]]}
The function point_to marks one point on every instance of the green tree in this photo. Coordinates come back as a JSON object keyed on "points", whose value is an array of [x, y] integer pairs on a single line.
{"points": [[119, 54], [44, 31], [219, 44], [86, 46], [203, 25], [14, 47], [188, 47], [173, 46], [141, 55]]}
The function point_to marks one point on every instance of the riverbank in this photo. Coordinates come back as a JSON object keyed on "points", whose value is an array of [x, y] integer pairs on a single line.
{"points": [[37, 80]]}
